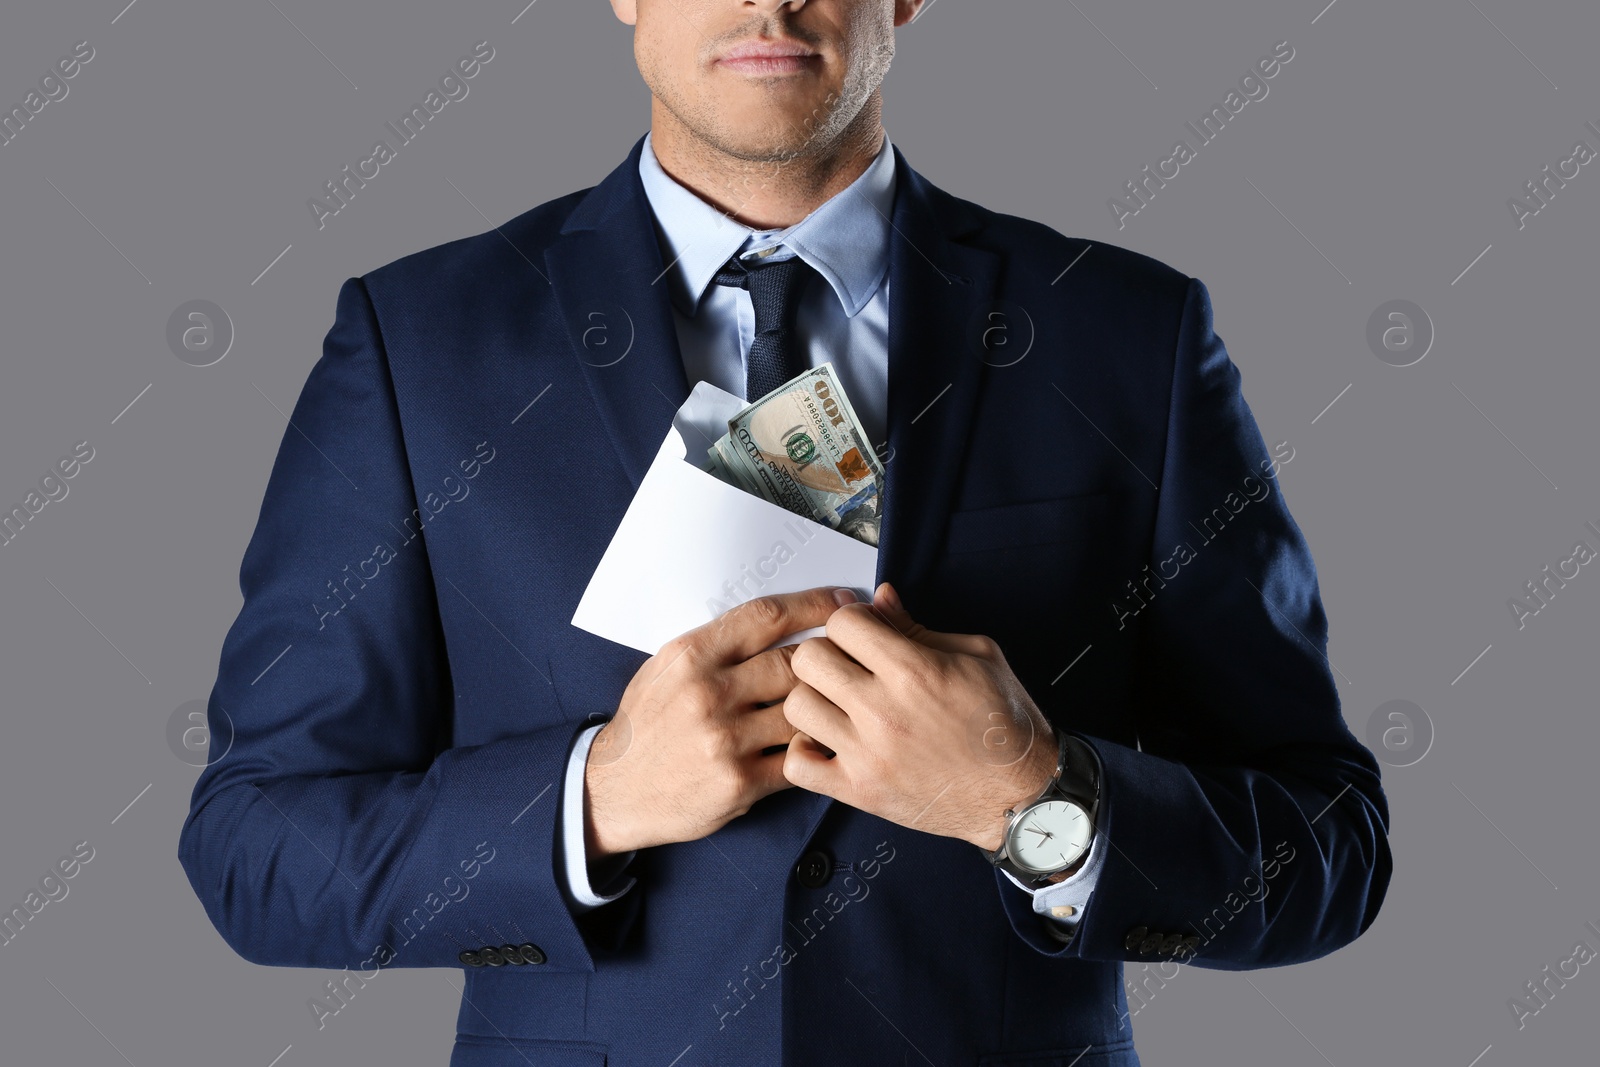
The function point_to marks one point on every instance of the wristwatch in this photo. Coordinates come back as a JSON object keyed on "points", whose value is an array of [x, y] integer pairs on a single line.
{"points": [[1051, 833]]}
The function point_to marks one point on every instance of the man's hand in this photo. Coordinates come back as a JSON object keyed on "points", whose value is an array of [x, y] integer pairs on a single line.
{"points": [[929, 730], [684, 753]]}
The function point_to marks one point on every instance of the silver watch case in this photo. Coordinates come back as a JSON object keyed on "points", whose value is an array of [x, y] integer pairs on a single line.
{"points": [[1073, 783]]}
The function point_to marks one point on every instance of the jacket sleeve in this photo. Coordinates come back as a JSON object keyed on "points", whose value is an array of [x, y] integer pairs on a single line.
{"points": [[334, 825], [1249, 827]]}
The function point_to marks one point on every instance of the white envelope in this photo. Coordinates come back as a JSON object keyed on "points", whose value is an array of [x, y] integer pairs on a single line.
{"points": [[691, 546]]}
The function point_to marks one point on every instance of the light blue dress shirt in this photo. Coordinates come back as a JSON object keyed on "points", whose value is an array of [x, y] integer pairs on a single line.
{"points": [[846, 239]]}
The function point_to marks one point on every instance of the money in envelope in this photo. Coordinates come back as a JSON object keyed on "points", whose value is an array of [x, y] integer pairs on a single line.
{"points": [[791, 500]]}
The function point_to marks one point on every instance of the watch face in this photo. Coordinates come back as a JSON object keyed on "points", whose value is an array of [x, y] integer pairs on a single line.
{"points": [[1049, 836]]}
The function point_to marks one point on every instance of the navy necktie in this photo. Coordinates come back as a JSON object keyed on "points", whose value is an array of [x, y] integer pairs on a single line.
{"points": [[776, 353]]}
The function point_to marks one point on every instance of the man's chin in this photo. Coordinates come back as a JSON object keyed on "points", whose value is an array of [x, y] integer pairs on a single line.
{"points": [[770, 139]]}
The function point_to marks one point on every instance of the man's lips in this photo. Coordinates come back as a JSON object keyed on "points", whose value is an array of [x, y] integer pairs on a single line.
{"points": [[769, 57]]}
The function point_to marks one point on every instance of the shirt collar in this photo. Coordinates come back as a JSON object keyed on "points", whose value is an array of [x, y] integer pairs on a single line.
{"points": [[846, 238]]}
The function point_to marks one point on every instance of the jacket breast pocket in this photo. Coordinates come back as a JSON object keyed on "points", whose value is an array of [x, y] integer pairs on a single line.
{"points": [[1031, 575], [1028, 524]]}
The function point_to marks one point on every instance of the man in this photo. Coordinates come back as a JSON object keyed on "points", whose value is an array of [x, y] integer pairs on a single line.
{"points": [[1087, 717]]}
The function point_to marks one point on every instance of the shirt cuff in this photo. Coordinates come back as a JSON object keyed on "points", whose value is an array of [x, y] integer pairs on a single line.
{"points": [[584, 896], [1072, 892]]}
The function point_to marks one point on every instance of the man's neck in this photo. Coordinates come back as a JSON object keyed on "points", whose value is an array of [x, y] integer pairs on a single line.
{"points": [[764, 194]]}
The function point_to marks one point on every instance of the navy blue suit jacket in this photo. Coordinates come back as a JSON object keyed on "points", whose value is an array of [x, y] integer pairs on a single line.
{"points": [[398, 695]]}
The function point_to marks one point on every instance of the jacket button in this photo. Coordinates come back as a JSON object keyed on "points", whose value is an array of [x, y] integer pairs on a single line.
{"points": [[491, 955], [1134, 938], [470, 958], [1151, 942], [1171, 944], [531, 953], [513, 955], [814, 868], [1191, 944]]}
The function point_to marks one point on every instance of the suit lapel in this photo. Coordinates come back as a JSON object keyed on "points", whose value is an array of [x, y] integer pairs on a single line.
{"points": [[940, 291], [605, 270], [606, 273]]}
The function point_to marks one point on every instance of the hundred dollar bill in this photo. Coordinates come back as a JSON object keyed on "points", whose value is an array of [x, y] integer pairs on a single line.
{"points": [[802, 447]]}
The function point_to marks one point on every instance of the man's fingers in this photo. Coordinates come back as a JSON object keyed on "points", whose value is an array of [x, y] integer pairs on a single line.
{"points": [[865, 635], [762, 678], [808, 764], [769, 770], [886, 602], [819, 718], [761, 729], [754, 626], [822, 665], [882, 636]]}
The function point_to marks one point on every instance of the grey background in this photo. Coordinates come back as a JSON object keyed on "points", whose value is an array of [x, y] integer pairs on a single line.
{"points": [[1377, 168]]}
